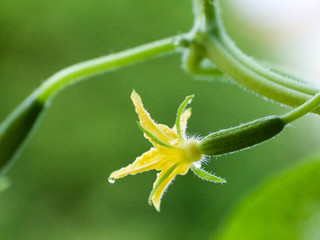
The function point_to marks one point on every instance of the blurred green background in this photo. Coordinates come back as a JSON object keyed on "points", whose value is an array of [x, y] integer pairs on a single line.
{"points": [[59, 187]]}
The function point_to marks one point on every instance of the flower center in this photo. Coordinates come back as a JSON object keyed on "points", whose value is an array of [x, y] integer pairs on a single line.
{"points": [[191, 151]]}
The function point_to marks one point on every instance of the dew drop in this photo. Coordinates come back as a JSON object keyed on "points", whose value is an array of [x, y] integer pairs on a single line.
{"points": [[111, 180]]}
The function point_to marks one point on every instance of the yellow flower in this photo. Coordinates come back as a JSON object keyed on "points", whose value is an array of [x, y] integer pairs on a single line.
{"points": [[172, 152]]}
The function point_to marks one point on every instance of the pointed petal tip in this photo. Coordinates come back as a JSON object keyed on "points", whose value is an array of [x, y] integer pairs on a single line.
{"points": [[157, 207], [114, 176], [134, 95], [190, 98]]}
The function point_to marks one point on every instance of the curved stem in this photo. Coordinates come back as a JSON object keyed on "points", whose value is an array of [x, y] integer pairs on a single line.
{"points": [[253, 65], [250, 79], [103, 64], [16, 128], [302, 110], [217, 46]]}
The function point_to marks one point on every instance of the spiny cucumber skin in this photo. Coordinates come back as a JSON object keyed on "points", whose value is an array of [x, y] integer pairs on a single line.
{"points": [[241, 137]]}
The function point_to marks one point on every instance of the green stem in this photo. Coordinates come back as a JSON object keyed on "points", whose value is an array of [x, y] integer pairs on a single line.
{"points": [[16, 128], [249, 78], [204, 15], [212, 41], [103, 64], [302, 110], [253, 65]]}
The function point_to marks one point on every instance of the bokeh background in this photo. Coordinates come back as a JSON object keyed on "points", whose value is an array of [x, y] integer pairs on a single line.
{"points": [[59, 187]]}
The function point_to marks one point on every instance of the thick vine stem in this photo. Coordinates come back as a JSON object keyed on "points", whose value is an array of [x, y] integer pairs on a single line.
{"points": [[217, 46], [233, 49], [250, 79]]}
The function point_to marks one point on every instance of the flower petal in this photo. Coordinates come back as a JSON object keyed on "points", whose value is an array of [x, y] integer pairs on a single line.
{"points": [[153, 159], [183, 121], [171, 133], [168, 131], [179, 113], [146, 121], [155, 141], [155, 197]]}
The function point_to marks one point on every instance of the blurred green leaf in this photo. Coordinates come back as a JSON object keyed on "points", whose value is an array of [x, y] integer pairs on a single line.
{"points": [[4, 184], [286, 207]]}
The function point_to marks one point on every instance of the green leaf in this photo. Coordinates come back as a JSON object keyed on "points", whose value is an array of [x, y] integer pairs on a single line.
{"points": [[285, 207], [4, 184]]}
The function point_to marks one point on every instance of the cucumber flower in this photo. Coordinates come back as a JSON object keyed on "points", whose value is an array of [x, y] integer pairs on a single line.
{"points": [[173, 153]]}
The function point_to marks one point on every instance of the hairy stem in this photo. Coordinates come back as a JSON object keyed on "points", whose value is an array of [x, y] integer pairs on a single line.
{"points": [[212, 41], [16, 128], [250, 79], [302, 110], [103, 64], [253, 65]]}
